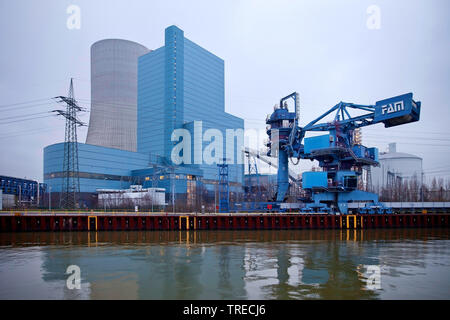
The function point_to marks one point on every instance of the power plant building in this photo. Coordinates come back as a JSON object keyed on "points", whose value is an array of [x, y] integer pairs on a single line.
{"points": [[179, 88]]}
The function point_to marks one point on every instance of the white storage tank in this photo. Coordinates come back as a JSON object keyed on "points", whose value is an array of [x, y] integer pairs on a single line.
{"points": [[113, 118], [395, 166]]}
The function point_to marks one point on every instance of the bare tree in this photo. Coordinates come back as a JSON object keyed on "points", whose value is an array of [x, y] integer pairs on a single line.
{"points": [[412, 190]]}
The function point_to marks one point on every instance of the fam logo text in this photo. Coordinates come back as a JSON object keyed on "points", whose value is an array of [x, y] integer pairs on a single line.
{"points": [[392, 107]]}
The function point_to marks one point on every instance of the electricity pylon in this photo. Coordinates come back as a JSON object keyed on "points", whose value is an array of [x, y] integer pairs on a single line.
{"points": [[70, 171]]}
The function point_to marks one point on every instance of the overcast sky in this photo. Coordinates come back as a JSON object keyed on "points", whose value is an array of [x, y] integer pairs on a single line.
{"points": [[322, 49]]}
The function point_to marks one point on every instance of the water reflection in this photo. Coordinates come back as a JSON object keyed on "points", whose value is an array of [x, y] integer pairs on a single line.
{"points": [[297, 264]]}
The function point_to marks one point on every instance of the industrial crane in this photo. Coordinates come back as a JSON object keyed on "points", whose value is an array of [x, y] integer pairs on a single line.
{"points": [[339, 156]]}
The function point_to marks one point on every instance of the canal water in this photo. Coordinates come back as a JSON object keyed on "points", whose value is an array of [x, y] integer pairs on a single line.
{"points": [[300, 264]]}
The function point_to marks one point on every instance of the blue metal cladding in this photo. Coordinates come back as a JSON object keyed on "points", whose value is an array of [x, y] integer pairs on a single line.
{"points": [[27, 189], [340, 175], [174, 85], [235, 139], [313, 179], [364, 152], [283, 174], [359, 151], [150, 112], [89, 185], [163, 178], [397, 110], [204, 100], [107, 163], [373, 152], [204, 79], [318, 142]]}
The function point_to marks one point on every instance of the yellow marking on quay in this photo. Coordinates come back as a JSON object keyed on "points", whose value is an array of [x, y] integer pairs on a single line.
{"points": [[354, 221], [89, 222], [187, 222]]}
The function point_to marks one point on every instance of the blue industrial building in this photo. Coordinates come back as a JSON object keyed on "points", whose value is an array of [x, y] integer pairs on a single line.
{"points": [[180, 86], [18, 191], [99, 167]]}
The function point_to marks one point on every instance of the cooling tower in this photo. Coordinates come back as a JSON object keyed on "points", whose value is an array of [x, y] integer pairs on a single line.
{"points": [[113, 118]]}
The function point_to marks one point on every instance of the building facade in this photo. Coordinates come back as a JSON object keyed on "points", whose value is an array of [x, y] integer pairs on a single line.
{"points": [[99, 167]]}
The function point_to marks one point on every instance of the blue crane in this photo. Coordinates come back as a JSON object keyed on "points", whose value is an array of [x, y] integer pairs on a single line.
{"points": [[339, 156]]}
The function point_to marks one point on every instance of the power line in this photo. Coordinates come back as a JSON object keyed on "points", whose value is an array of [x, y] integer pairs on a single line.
{"points": [[25, 107], [20, 103], [19, 116], [422, 132], [404, 137], [437, 168], [26, 133], [437, 171], [412, 143], [20, 120]]}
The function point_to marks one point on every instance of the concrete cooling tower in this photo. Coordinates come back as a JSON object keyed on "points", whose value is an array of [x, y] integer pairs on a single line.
{"points": [[113, 118]]}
